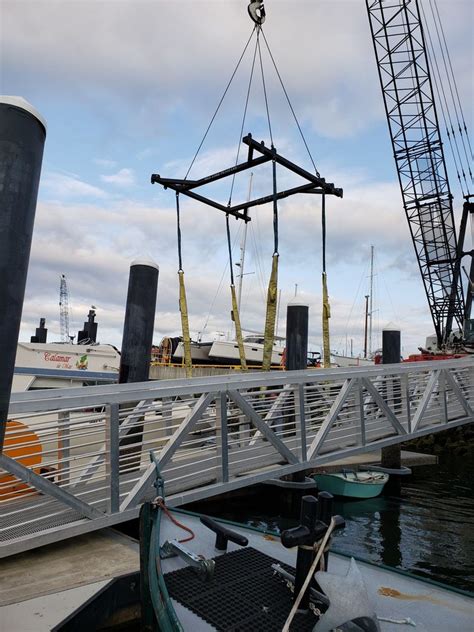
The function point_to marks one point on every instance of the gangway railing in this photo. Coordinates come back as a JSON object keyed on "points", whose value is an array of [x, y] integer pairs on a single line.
{"points": [[78, 459]]}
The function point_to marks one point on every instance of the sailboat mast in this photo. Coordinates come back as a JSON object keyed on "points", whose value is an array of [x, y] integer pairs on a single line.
{"points": [[371, 297], [365, 327], [243, 245]]}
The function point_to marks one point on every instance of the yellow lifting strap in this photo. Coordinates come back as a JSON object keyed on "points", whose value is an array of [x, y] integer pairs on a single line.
{"points": [[238, 329], [183, 308], [270, 318], [326, 317]]}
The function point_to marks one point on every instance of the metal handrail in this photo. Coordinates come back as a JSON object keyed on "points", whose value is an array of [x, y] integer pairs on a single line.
{"points": [[80, 458]]}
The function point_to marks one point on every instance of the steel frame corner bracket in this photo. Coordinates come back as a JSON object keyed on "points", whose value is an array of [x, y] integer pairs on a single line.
{"points": [[313, 183]]}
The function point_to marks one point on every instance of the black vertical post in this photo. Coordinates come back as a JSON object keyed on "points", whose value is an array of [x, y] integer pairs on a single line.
{"points": [[139, 321], [296, 349], [296, 336], [136, 345], [325, 512], [22, 137], [305, 554], [41, 332], [391, 348]]}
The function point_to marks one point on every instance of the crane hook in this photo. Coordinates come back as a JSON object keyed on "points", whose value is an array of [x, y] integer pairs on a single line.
{"points": [[257, 12]]}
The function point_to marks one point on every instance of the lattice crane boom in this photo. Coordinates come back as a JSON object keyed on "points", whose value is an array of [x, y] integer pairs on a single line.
{"points": [[64, 309], [404, 73]]}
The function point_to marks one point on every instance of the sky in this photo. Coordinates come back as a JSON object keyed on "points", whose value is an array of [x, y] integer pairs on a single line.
{"points": [[128, 88]]}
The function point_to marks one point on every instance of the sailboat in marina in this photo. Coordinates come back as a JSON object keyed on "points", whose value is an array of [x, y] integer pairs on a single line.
{"points": [[367, 359]]}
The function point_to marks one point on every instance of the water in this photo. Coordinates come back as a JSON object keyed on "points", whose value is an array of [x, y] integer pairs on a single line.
{"points": [[426, 527]]}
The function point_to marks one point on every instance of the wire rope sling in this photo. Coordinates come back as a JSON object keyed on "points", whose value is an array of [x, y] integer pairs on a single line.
{"points": [[312, 183]]}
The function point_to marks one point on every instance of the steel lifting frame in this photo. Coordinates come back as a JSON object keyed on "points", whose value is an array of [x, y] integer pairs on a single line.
{"points": [[314, 184]]}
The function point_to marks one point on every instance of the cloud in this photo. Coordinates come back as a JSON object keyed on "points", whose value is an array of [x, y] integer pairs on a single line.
{"points": [[103, 162], [57, 185], [123, 178], [138, 56]]}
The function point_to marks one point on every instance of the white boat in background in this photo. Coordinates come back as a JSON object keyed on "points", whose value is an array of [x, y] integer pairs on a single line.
{"points": [[227, 351], [344, 361], [199, 352], [59, 365]]}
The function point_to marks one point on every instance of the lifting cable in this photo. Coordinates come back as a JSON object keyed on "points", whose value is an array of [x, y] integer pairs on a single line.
{"points": [[183, 305], [235, 308], [270, 317], [257, 14]]}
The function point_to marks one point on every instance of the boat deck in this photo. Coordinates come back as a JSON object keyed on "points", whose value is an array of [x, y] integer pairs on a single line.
{"points": [[40, 589]]}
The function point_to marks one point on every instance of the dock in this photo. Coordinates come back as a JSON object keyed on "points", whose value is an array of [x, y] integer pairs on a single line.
{"points": [[210, 436]]}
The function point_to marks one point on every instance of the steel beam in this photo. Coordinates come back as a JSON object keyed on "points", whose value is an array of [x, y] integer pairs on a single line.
{"points": [[47, 487], [249, 411], [166, 454]]}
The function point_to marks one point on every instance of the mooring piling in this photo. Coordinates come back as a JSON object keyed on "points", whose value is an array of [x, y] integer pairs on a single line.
{"points": [[22, 138]]}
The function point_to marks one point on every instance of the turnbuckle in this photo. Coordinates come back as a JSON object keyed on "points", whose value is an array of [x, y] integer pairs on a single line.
{"points": [[257, 12], [204, 568]]}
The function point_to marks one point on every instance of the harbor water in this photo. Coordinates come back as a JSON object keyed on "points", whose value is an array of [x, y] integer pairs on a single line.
{"points": [[425, 527]]}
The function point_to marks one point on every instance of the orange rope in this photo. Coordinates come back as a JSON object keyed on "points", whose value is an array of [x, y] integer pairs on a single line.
{"points": [[162, 506]]}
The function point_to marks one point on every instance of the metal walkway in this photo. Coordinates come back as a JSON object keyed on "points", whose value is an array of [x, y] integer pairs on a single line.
{"points": [[80, 460]]}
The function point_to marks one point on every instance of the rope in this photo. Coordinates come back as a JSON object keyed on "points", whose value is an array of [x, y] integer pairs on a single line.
{"points": [[229, 248], [270, 317], [264, 86], [326, 317], [323, 228], [326, 308], [445, 109], [183, 304], [220, 103], [243, 120], [290, 104], [311, 571], [178, 230], [451, 76], [275, 210], [183, 308], [161, 504]]}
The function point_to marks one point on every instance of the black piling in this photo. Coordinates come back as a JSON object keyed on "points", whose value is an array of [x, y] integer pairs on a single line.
{"points": [[89, 332], [41, 332], [296, 336], [22, 137], [391, 349], [139, 321], [296, 352], [136, 345]]}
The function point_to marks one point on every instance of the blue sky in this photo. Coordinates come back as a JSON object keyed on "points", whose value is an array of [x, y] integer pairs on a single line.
{"points": [[128, 88]]}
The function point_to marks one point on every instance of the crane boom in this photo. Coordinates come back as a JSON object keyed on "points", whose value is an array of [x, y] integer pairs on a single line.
{"points": [[64, 309], [404, 73]]}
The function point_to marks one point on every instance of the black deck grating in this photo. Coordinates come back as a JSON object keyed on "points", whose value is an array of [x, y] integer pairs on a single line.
{"points": [[244, 595]]}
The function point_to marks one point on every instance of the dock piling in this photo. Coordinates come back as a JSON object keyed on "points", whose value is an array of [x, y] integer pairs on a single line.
{"points": [[391, 348], [22, 138]]}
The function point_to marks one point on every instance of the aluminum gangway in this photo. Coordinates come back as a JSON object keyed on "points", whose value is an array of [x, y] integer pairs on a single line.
{"points": [[78, 459]]}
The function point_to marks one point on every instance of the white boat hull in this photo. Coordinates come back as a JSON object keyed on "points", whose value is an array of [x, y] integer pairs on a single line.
{"points": [[227, 352], [56, 365], [348, 361], [199, 352]]}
